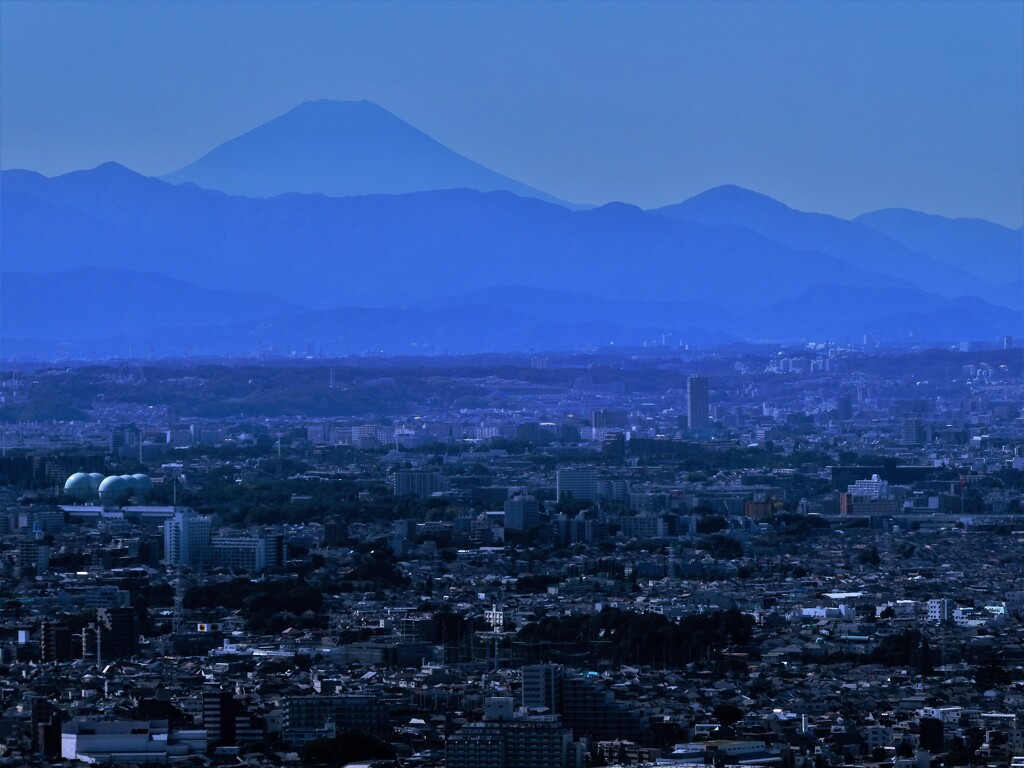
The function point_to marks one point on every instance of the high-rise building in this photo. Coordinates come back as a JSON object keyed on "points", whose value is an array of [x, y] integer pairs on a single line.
{"points": [[542, 686], [228, 722], [875, 488], [55, 642], [697, 414], [313, 717], [522, 513], [422, 483], [187, 539], [911, 432], [647, 503], [252, 553], [34, 555], [335, 530], [588, 707], [844, 407], [502, 740], [579, 482]]}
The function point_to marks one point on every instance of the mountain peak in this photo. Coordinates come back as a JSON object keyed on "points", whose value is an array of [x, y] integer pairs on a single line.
{"points": [[340, 149], [732, 194], [113, 169], [725, 204], [333, 109]]}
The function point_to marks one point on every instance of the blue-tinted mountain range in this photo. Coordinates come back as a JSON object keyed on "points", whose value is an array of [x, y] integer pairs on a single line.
{"points": [[461, 263]]}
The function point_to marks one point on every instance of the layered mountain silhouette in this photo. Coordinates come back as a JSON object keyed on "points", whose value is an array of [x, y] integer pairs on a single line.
{"points": [[973, 245], [852, 241], [324, 252], [112, 303], [340, 149], [339, 225]]}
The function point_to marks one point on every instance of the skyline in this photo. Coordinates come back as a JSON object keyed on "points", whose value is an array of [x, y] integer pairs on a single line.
{"points": [[840, 108]]}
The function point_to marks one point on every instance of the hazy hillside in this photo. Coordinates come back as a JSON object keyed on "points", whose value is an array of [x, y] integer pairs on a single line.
{"points": [[974, 245], [850, 241], [325, 252], [111, 257], [93, 302]]}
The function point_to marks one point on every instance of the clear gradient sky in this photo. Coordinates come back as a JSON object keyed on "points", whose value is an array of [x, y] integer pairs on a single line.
{"points": [[841, 107]]}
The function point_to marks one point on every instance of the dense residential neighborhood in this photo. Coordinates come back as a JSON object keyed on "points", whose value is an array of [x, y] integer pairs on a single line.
{"points": [[799, 557]]}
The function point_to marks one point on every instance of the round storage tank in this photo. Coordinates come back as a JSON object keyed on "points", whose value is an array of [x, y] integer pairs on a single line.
{"points": [[113, 490], [95, 478], [143, 485], [78, 486]]}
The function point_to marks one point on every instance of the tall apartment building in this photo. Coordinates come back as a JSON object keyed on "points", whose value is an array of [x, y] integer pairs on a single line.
{"points": [[228, 722], [542, 687], [250, 553], [586, 706], [312, 717], [502, 740], [697, 413], [911, 432], [874, 489], [33, 555], [941, 609], [55, 642], [187, 539], [645, 503]]}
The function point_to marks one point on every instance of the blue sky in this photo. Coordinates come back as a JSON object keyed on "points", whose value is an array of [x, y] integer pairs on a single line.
{"points": [[841, 107]]}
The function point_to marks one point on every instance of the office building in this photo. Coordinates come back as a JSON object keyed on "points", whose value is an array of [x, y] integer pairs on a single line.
{"points": [[697, 406], [421, 483], [522, 513], [580, 483]]}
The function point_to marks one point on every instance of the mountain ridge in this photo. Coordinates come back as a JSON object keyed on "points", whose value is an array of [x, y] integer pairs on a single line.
{"points": [[847, 240], [558, 277], [972, 244], [521, 319], [421, 244]]}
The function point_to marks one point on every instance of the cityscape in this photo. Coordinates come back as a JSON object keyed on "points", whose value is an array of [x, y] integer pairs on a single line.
{"points": [[489, 384], [804, 556]]}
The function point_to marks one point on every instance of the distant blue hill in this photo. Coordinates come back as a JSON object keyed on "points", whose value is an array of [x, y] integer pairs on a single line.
{"points": [[110, 255], [973, 245], [324, 252], [340, 149], [93, 302], [519, 319], [851, 241]]}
